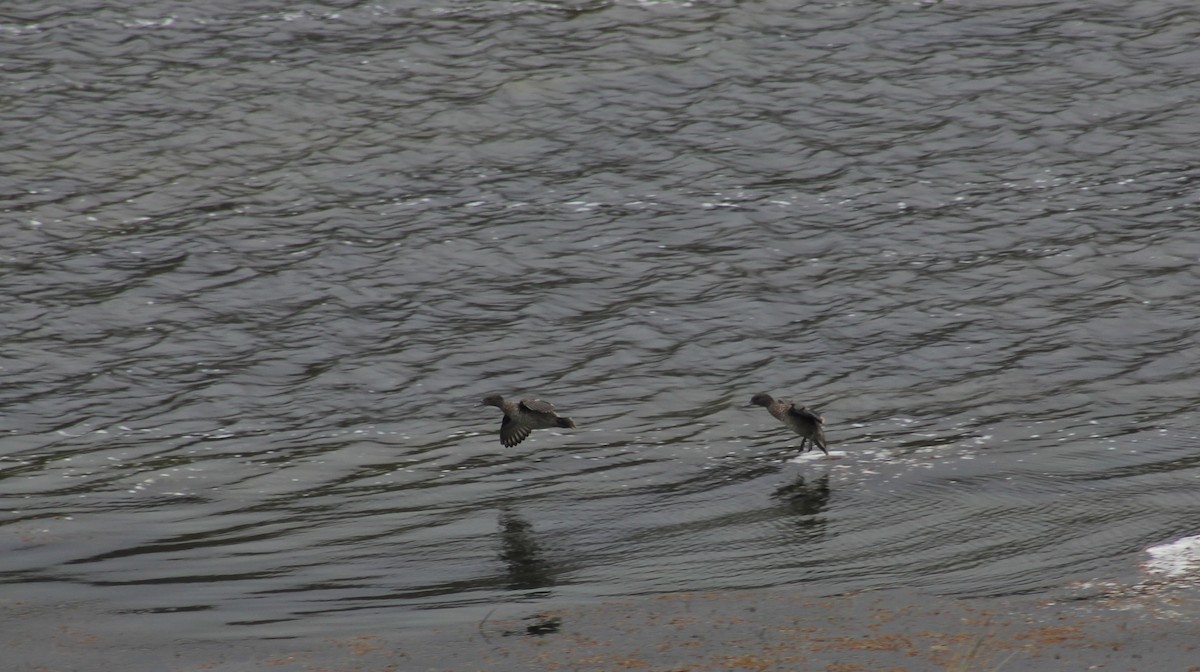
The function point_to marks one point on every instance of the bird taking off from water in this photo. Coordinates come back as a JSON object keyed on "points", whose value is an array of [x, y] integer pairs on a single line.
{"points": [[809, 425], [522, 417]]}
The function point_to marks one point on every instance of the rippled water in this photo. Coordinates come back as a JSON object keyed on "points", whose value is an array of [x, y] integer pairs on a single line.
{"points": [[263, 259]]}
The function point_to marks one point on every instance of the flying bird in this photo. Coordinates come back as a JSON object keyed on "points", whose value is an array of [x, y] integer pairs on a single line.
{"points": [[809, 425], [524, 416]]}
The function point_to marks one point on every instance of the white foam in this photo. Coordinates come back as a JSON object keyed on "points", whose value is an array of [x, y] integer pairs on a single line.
{"points": [[816, 456], [1177, 559]]}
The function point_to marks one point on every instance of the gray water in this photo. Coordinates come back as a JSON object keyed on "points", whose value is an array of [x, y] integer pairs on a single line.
{"points": [[261, 260]]}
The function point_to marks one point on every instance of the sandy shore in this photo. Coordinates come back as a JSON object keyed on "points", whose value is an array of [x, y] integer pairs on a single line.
{"points": [[775, 630]]}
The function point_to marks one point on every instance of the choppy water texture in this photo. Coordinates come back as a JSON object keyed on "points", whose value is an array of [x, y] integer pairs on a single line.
{"points": [[263, 259]]}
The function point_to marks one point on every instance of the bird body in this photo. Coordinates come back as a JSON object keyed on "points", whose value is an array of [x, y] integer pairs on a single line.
{"points": [[524, 416], [809, 425]]}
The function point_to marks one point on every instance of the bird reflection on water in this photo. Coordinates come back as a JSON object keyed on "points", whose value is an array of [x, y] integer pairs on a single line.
{"points": [[805, 497], [527, 569], [525, 564]]}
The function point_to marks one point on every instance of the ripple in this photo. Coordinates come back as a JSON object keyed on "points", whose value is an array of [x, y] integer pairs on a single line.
{"points": [[266, 261]]}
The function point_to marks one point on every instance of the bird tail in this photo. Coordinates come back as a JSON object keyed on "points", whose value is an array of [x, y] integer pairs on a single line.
{"points": [[566, 422], [818, 438]]}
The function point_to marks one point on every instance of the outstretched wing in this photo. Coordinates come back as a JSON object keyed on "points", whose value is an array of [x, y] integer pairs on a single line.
{"points": [[537, 406], [805, 415], [512, 432], [811, 425]]}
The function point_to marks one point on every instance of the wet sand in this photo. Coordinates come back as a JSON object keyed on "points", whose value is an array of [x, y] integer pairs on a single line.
{"points": [[774, 630]]}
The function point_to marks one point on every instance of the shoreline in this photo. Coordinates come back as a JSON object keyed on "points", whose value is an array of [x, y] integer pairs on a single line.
{"points": [[770, 630]]}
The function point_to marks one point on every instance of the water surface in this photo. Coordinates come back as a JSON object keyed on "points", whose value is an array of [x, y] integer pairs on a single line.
{"points": [[262, 261]]}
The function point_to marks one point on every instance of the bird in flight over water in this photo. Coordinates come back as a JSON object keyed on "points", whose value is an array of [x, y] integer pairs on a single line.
{"points": [[809, 425], [524, 416]]}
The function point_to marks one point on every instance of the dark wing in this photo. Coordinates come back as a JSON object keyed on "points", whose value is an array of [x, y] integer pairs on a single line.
{"points": [[537, 406], [805, 415], [813, 423], [511, 432]]}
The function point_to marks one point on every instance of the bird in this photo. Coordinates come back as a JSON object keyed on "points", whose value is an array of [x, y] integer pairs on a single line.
{"points": [[522, 417], [809, 425]]}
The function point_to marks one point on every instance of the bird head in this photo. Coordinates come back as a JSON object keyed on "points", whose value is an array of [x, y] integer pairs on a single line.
{"points": [[493, 400], [761, 399]]}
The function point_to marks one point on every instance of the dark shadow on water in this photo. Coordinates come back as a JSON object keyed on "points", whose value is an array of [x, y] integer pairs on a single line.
{"points": [[540, 625], [523, 558], [805, 496]]}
